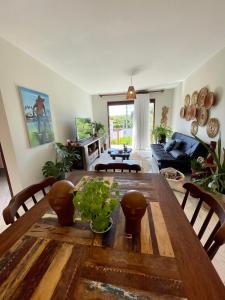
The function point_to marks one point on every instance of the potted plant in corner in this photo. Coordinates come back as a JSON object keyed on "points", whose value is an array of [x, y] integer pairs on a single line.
{"points": [[96, 202], [161, 132], [65, 157], [216, 181], [197, 167]]}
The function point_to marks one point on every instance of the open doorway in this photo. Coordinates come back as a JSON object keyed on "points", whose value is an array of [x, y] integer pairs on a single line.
{"points": [[6, 192]]}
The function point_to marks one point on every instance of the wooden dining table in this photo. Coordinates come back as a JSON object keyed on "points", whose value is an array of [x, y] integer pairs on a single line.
{"points": [[39, 259]]}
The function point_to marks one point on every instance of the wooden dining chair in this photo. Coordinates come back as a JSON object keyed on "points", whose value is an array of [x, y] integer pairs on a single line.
{"points": [[217, 236], [10, 213], [118, 166]]}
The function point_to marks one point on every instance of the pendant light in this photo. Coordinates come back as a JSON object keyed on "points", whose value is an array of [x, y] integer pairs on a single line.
{"points": [[131, 94]]}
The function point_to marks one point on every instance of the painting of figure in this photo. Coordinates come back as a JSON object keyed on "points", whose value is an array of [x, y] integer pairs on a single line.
{"points": [[37, 116]]}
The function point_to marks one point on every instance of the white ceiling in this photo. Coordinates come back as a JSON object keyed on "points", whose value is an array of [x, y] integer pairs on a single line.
{"points": [[98, 43]]}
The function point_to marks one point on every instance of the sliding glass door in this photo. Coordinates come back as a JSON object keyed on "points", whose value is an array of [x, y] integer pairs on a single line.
{"points": [[120, 114], [120, 123]]}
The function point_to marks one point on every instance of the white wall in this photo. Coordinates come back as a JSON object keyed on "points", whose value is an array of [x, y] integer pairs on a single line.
{"points": [[212, 75], [100, 113], [66, 101], [163, 99]]}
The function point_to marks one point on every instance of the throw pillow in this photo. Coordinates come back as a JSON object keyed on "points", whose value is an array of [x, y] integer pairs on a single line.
{"points": [[169, 145], [177, 154], [178, 144]]}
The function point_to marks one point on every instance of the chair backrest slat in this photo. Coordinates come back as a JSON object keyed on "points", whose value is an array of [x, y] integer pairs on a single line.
{"points": [[218, 241], [11, 211], [185, 199], [205, 223], [34, 199], [24, 207], [211, 237], [212, 244], [196, 212], [17, 215], [117, 166]]}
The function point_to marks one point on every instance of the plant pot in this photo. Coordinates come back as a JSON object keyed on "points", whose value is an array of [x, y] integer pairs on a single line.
{"points": [[107, 229], [162, 138], [61, 176]]}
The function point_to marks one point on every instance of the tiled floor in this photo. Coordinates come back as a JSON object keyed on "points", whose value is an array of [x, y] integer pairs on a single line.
{"points": [[148, 166]]}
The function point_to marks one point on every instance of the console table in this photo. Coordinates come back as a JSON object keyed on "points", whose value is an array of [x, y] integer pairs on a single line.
{"points": [[89, 150]]}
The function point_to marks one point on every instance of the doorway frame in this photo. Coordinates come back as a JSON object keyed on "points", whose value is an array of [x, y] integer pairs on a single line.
{"points": [[6, 171]]}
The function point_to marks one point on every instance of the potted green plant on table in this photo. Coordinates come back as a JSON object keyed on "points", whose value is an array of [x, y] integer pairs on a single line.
{"points": [[215, 182], [65, 156], [96, 202], [99, 128], [162, 132]]}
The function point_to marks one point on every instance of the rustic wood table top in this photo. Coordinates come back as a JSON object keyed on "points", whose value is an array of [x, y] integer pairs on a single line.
{"points": [[40, 259]]}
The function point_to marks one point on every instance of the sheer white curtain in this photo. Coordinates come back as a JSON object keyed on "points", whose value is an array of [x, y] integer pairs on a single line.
{"points": [[141, 123]]}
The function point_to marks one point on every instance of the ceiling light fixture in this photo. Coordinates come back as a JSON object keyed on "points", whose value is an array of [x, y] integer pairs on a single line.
{"points": [[131, 93]]}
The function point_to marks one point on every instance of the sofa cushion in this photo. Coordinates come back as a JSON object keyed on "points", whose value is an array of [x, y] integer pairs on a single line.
{"points": [[178, 154], [169, 145], [159, 153]]}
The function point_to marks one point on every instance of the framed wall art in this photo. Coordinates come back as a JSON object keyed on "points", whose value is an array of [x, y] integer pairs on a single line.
{"points": [[38, 118]]}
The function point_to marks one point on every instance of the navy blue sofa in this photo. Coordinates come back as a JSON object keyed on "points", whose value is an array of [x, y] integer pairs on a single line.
{"points": [[180, 158]]}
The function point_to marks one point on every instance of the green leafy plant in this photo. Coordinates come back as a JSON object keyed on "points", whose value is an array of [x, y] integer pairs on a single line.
{"points": [[99, 128], [96, 202], [161, 132], [123, 140], [65, 157], [216, 181]]}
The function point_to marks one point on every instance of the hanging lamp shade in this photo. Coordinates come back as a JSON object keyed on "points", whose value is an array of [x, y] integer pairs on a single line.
{"points": [[131, 93]]}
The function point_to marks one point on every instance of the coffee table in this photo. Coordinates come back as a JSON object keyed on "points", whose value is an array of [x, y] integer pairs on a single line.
{"points": [[117, 153], [114, 152]]}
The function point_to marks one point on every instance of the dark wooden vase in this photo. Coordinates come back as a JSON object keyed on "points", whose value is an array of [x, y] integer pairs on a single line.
{"points": [[60, 198], [134, 206]]}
